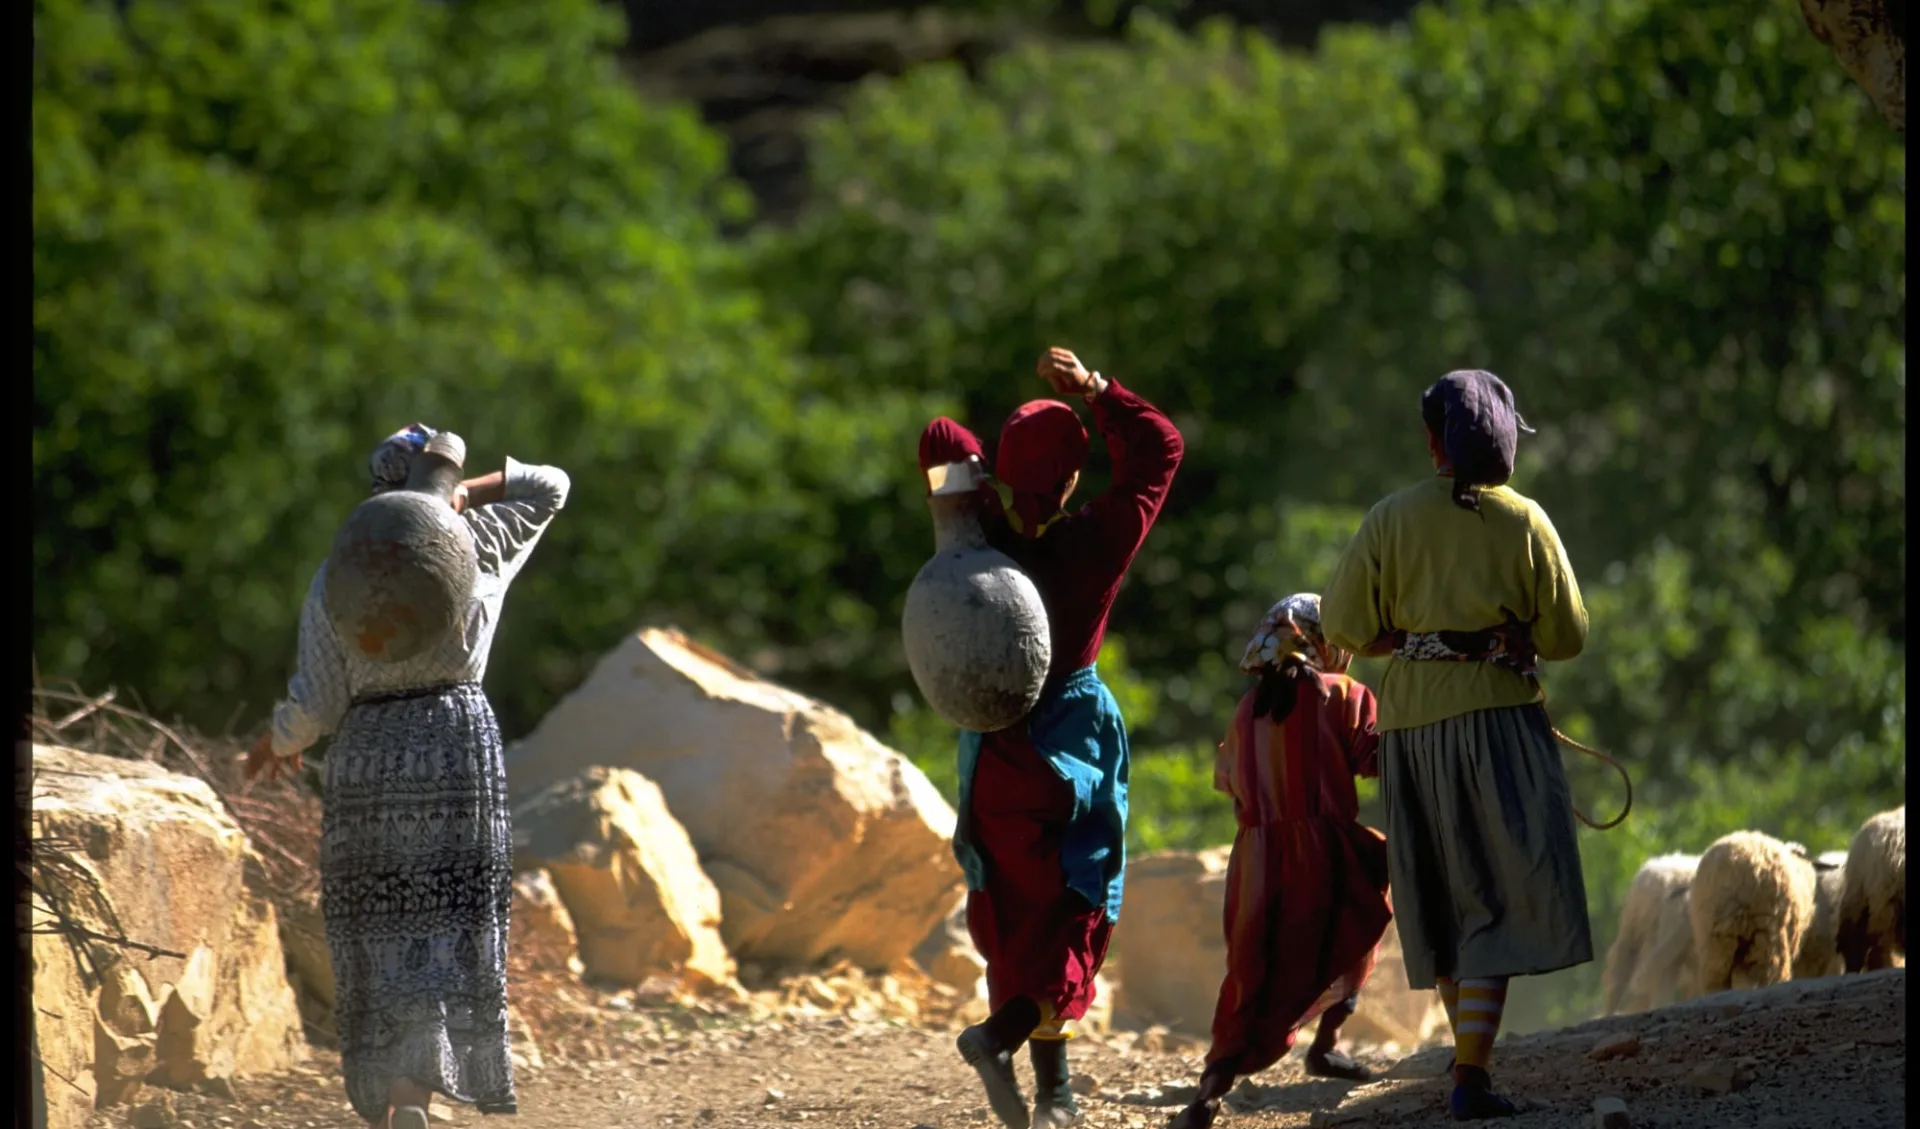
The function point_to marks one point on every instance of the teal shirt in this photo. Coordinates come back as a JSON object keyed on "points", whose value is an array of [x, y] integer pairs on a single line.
{"points": [[1079, 731]]}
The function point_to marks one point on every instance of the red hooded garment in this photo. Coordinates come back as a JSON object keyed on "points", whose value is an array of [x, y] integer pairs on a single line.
{"points": [[1040, 939]]}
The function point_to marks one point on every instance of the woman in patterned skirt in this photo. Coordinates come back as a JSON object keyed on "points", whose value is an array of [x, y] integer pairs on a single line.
{"points": [[416, 850], [1464, 582]]}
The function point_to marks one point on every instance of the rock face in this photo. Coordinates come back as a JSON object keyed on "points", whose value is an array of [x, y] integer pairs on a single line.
{"points": [[947, 953], [823, 842], [628, 876], [174, 871], [541, 929], [1170, 954]]}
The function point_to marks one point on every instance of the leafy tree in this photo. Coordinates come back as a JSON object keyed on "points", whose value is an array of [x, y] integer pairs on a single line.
{"points": [[265, 236], [1674, 226]]}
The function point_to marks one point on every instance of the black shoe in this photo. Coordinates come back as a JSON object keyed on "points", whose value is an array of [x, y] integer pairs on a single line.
{"points": [[995, 1067], [1474, 1103], [1333, 1064], [1053, 1103]]}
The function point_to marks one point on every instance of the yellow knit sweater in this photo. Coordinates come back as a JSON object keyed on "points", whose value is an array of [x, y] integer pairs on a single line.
{"points": [[1420, 563]]}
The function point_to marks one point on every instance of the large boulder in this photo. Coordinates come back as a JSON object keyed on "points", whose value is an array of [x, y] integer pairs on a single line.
{"points": [[1169, 955], [628, 876], [153, 856], [824, 843], [541, 931], [947, 954]]}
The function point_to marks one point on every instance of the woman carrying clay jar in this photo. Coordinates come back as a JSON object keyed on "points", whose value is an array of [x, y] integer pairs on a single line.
{"points": [[416, 848]]}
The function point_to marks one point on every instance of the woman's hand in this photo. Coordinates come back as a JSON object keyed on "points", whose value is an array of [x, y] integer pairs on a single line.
{"points": [[1068, 377], [261, 756], [482, 491]]}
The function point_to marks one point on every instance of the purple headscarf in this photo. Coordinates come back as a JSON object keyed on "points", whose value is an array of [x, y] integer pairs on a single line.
{"points": [[393, 458], [1471, 412]]}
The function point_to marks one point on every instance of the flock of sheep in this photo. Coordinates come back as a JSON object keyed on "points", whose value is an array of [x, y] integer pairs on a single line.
{"points": [[1752, 910]]}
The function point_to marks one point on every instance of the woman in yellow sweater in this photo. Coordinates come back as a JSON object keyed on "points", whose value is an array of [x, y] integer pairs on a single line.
{"points": [[1464, 582]]}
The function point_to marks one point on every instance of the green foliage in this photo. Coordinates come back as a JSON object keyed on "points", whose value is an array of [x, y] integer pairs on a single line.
{"points": [[265, 237], [1676, 227]]}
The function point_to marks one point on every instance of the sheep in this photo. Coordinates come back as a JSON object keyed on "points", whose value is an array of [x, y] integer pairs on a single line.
{"points": [[1819, 953], [1651, 960], [1751, 901], [1873, 899]]}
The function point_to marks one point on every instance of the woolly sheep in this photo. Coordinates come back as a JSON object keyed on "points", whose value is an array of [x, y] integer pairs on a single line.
{"points": [[1751, 902], [1651, 960], [1820, 949], [1873, 899]]}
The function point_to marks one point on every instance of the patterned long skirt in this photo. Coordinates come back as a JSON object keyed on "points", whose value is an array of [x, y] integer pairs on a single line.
{"points": [[416, 871]]}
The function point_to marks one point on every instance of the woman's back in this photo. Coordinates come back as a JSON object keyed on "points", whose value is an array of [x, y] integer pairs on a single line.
{"points": [[1303, 766], [1421, 563]]}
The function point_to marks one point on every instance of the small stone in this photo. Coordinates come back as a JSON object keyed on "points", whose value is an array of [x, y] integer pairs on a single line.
{"points": [[1611, 1113], [436, 1111], [1720, 1078], [1084, 1084], [1624, 1044], [774, 1095], [156, 1114]]}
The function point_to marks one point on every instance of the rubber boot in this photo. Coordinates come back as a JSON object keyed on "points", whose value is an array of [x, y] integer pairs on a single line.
{"points": [[988, 1047], [1053, 1103]]}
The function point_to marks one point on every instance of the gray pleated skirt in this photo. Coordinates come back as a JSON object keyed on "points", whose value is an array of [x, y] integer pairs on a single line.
{"points": [[1482, 862]]}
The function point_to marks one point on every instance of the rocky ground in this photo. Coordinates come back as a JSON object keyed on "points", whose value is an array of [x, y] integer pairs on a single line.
{"points": [[1816, 1054]]}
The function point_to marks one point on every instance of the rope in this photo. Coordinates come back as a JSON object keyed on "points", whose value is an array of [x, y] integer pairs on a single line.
{"points": [[1616, 766]]}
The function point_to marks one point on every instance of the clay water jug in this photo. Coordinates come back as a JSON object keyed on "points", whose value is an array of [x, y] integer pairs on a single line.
{"points": [[975, 630], [403, 568]]}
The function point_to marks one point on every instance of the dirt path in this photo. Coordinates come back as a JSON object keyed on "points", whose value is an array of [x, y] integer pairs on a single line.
{"points": [[1814, 1055]]}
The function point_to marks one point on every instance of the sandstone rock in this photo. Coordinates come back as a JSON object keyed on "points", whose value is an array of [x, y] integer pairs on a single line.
{"points": [[824, 843], [1624, 1044], [1611, 1113], [947, 953], [303, 937], [63, 1031], [121, 1063], [174, 868], [1720, 1078], [629, 878], [541, 930], [1170, 955]]}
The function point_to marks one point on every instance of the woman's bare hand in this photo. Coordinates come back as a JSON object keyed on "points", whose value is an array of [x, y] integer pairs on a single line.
{"points": [[261, 756], [1064, 373]]}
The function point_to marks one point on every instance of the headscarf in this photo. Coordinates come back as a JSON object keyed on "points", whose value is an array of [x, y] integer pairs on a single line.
{"points": [[1471, 412], [1285, 652], [393, 458], [944, 442], [1041, 446], [1292, 629]]}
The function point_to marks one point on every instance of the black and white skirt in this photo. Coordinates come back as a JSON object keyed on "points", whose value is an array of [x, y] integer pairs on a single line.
{"points": [[416, 869]]}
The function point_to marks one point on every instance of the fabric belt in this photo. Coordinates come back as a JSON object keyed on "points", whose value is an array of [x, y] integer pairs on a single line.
{"points": [[386, 697], [1510, 647]]}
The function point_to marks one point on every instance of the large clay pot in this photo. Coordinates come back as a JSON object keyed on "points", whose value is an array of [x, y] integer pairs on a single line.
{"points": [[975, 630], [402, 570]]}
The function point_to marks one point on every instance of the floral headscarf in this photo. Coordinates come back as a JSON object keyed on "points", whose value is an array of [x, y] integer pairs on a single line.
{"points": [[393, 458], [1292, 627]]}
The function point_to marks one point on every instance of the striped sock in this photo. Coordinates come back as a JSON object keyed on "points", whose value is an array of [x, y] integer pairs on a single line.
{"points": [[1481, 1002], [1450, 999]]}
